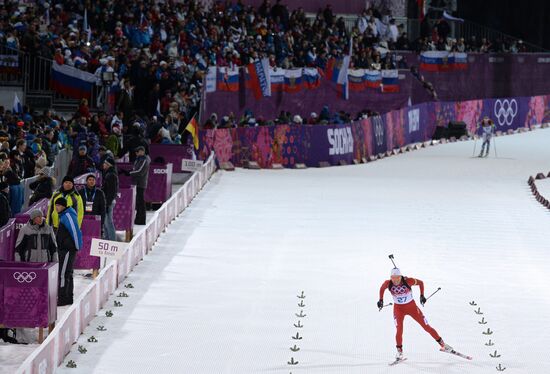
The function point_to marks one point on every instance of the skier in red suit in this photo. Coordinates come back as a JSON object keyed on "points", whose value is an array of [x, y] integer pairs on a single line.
{"points": [[401, 289]]}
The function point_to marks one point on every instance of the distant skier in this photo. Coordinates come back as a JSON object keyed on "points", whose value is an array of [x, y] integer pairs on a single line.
{"points": [[400, 288], [488, 130]]}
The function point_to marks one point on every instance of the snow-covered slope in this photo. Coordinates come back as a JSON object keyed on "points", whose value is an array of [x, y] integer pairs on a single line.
{"points": [[219, 292]]}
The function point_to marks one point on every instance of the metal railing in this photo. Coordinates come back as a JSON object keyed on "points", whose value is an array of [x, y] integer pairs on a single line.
{"points": [[38, 72], [34, 73]]}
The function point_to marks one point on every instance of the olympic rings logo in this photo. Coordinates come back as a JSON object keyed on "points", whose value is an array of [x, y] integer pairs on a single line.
{"points": [[399, 289], [24, 277], [378, 130], [505, 111]]}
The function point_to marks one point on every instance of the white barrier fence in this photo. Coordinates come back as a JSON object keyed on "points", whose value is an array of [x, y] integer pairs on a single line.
{"points": [[46, 358]]}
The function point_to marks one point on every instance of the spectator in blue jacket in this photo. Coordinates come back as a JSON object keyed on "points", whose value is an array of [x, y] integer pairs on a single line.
{"points": [[69, 241]]}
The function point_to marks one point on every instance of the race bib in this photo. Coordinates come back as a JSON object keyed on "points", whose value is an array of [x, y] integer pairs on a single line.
{"points": [[403, 298]]}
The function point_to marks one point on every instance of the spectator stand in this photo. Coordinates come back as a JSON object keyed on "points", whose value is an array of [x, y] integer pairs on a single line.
{"points": [[58, 343]]}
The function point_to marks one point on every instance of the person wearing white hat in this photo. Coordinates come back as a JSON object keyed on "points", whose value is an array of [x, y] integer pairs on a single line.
{"points": [[488, 131], [400, 288]]}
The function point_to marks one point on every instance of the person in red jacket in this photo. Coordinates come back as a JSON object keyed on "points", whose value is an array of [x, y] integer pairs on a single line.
{"points": [[400, 288]]}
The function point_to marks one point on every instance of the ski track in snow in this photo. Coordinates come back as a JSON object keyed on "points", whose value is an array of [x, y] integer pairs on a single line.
{"points": [[218, 293]]}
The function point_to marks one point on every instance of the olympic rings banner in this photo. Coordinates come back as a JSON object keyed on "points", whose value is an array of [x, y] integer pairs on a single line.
{"points": [[311, 144], [28, 291]]}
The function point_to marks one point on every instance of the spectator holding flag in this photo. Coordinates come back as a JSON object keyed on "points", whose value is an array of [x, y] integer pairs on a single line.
{"points": [[69, 241]]}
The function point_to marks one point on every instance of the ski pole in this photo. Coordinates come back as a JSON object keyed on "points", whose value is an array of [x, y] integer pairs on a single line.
{"points": [[389, 304], [475, 144], [436, 291], [391, 258], [495, 146]]}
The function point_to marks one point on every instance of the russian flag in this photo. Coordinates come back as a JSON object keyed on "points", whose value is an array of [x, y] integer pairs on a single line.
{"points": [[293, 80], [9, 64], [390, 81], [342, 90], [260, 81], [337, 69], [228, 79], [16, 108], [357, 80], [460, 61], [329, 69], [373, 78], [72, 82], [436, 61], [277, 79], [311, 78]]}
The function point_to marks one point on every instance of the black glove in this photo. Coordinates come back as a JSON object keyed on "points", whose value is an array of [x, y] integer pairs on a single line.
{"points": [[422, 300], [380, 304]]}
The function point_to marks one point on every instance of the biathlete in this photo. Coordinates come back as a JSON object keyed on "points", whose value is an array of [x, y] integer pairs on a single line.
{"points": [[400, 288]]}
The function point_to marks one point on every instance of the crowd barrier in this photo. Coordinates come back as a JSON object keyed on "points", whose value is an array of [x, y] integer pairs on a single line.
{"points": [[7, 240], [9, 232], [91, 228], [125, 210], [289, 145], [49, 355], [159, 185], [28, 295]]}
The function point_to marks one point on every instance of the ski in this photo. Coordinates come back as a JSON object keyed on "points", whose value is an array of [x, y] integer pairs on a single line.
{"points": [[397, 360], [453, 352]]}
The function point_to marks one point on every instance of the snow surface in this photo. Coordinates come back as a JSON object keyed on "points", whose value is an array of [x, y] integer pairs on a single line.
{"points": [[218, 294]]}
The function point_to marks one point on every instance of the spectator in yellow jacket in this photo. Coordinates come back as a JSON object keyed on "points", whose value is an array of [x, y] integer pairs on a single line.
{"points": [[74, 200]]}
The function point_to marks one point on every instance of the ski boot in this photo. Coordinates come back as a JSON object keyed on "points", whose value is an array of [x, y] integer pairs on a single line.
{"points": [[444, 346], [399, 354]]}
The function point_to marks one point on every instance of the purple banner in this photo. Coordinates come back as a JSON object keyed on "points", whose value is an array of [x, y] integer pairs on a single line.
{"points": [[485, 76], [292, 144], [124, 212], [332, 144], [489, 76], [7, 241], [28, 294], [306, 101], [159, 184], [91, 228], [171, 154]]}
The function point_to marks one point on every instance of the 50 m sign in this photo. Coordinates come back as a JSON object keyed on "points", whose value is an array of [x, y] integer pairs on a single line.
{"points": [[107, 248]]}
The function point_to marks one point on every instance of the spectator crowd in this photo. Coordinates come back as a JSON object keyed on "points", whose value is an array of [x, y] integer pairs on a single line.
{"points": [[159, 51]]}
